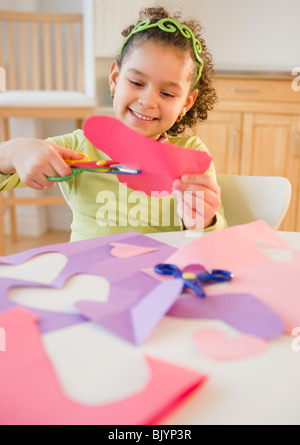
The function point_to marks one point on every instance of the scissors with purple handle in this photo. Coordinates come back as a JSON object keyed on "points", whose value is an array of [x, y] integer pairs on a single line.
{"points": [[194, 281]]}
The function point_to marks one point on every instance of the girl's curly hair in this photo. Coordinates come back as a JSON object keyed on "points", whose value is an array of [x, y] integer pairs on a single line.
{"points": [[207, 95]]}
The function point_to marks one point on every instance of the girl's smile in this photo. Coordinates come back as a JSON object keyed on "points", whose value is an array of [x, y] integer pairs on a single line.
{"points": [[141, 116], [152, 88]]}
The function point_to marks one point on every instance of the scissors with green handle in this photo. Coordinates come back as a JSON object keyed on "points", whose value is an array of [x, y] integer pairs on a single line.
{"points": [[101, 166]]}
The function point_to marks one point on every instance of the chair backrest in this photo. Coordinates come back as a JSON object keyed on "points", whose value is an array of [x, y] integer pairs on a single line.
{"points": [[250, 198], [42, 51], [2, 79]]}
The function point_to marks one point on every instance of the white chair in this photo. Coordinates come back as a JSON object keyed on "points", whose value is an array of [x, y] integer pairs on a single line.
{"points": [[42, 54], [251, 198], [48, 76], [2, 79]]}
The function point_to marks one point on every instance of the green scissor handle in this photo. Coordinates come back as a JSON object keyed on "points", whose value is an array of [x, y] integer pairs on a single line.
{"points": [[114, 168], [76, 171]]}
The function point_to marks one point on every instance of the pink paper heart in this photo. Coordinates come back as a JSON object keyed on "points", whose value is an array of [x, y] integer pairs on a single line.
{"points": [[216, 344], [121, 250], [160, 164]]}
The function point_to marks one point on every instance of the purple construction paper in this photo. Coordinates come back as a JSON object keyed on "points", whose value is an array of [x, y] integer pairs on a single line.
{"points": [[134, 322], [128, 286], [244, 312], [85, 247], [92, 256]]}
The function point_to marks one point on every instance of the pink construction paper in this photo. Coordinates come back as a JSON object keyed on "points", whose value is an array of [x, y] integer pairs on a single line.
{"points": [[160, 164], [228, 249], [215, 344], [274, 283], [277, 285], [121, 250], [30, 392], [135, 322]]}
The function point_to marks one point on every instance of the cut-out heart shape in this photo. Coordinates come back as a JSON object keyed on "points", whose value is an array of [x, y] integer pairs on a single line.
{"points": [[43, 268], [218, 345], [121, 250], [78, 287], [160, 164]]}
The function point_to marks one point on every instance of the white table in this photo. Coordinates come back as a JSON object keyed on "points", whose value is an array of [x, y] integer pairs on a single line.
{"points": [[260, 390], [180, 239]]}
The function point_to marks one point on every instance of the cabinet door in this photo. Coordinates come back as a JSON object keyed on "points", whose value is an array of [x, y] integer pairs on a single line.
{"points": [[269, 150], [221, 133]]}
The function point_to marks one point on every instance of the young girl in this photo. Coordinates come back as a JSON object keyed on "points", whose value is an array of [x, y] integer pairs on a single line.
{"points": [[160, 84]]}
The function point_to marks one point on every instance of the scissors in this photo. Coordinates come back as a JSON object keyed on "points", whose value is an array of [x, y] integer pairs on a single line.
{"points": [[101, 166], [194, 281]]}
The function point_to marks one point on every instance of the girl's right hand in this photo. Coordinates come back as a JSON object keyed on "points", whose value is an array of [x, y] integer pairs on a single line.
{"points": [[34, 160]]}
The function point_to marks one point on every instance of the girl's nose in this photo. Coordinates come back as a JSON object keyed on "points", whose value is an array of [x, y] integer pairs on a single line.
{"points": [[148, 99]]}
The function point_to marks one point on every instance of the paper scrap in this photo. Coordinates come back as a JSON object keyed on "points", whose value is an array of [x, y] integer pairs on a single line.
{"points": [[121, 250], [216, 344]]}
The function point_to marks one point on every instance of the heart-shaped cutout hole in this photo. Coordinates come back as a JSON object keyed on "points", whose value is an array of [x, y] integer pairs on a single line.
{"points": [[76, 288], [100, 368], [42, 268]]}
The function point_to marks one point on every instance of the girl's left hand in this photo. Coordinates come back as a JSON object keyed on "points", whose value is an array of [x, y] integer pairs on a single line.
{"points": [[198, 198]]}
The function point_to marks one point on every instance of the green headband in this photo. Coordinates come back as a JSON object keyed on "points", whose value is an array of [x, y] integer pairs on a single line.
{"points": [[185, 31]]}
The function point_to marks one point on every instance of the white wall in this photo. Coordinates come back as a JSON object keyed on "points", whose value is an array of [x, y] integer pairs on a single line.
{"points": [[255, 35], [19, 5], [251, 34], [73, 6], [241, 34]]}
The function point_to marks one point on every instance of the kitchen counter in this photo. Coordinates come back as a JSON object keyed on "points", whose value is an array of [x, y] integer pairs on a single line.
{"points": [[255, 74]]}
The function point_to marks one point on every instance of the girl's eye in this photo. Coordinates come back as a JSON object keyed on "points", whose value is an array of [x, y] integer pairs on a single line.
{"points": [[135, 83], [168, 95]]}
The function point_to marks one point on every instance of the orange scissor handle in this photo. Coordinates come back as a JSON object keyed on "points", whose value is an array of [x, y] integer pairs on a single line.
{"points": [[85, 158]]}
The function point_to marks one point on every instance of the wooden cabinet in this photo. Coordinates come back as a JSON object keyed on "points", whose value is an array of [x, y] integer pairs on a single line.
{"points": [[222, 135], [255, 130], [270, 147]]}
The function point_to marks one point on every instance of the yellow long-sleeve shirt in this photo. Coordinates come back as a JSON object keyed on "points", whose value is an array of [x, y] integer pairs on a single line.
{"points": [[101, 205]]}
